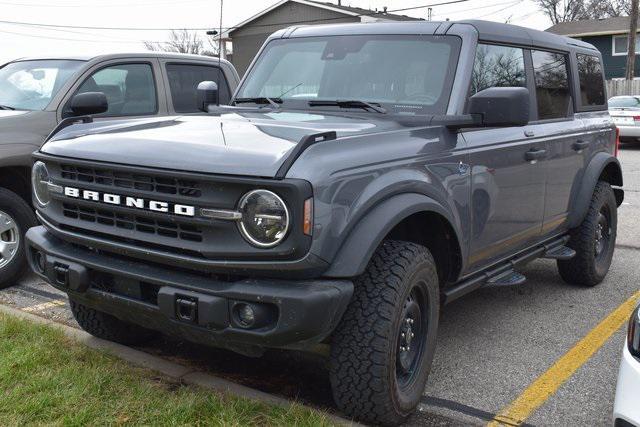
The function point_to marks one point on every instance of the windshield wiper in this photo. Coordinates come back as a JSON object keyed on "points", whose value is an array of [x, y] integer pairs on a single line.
{"points": [[260, 100], [349, 104], [6, 107]]}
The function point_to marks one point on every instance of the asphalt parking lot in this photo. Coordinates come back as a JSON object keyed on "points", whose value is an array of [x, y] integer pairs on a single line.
{"points": [[493, 344]]}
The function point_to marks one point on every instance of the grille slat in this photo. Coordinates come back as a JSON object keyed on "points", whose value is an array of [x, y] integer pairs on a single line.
{"points": [[149, 183], [133, 222]]}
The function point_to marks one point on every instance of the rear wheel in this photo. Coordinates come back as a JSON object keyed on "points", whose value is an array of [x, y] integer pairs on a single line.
{"points": [[107, 327], [594, 240], [381, 352], [16, 217]]}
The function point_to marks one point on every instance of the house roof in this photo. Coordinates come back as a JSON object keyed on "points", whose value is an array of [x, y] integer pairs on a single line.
{"points": [[346, 10], [592, 27]]}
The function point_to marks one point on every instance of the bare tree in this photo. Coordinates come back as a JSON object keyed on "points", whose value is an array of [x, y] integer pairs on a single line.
{"points": [[631, 41], [575, 10], [563, 10], [184, 41]]}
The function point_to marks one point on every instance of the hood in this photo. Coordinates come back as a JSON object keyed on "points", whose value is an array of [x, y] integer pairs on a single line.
{"points": [[7, 114], [233, 143]]}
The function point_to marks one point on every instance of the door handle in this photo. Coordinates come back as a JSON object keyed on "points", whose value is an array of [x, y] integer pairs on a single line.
{"points": [[533, 155], [580, 145]]}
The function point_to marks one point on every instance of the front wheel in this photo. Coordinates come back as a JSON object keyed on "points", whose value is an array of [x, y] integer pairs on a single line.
{"points": [[594, 240], [381, 352], [16, 217]]}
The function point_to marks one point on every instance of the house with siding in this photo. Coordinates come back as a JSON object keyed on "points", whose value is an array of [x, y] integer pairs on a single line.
{"points": [[609, 36], [247, 37]]}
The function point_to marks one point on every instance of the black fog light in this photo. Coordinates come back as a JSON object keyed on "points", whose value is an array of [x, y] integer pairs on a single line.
{"points": [[633, 334], [40, 261], [246, 315], [252, 315]]}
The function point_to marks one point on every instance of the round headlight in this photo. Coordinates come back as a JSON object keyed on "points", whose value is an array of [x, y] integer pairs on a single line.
{"points": [[265, 218], [40, 183]]}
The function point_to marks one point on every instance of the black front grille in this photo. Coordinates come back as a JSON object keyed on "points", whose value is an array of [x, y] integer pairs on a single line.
{"points": [[133, 181], [147, 225]]}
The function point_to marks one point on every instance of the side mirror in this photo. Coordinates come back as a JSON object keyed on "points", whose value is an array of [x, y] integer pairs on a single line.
{"points": [[207, 95], [89, 103], [501, 106]]}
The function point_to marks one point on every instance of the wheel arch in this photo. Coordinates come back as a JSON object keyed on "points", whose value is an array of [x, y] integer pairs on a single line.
{"points": [[17, 179], [398, 218], [603, 167]]}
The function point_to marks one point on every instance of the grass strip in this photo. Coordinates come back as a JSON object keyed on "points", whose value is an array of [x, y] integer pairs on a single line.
{"points": [[46, 378]]}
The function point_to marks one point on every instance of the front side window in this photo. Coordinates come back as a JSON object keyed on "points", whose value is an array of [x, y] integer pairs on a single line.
{"points": [[404, 73], [591, 80], [30, 85], [183, 83], [498, 66], [130, 89], [552, 84]]}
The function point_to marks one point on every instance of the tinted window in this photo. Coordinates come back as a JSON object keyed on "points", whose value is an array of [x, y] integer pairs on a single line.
{"points": [[183, 82], [498, 66], [591, 80], [411, 74], [552, 84], [130, 89]]}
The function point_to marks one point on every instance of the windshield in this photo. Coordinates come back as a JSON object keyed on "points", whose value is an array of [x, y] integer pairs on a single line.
{"points": [[30, 85], [624, 102], [406, 74]]}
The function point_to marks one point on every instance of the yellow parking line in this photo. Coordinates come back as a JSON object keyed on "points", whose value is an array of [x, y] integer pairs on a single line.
{"points": [[44, 306], [548, 383]]}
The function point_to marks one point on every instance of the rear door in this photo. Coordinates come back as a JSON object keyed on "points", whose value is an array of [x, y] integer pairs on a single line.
{"points": [[556, 126], [508, 166], [182, 79]]}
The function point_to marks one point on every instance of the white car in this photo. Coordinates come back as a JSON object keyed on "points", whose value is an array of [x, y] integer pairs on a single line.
{"points": [[626, 409], [625, 112]]}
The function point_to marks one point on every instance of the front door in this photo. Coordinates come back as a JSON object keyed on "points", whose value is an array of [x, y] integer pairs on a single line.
{"points": [[508, 167]]}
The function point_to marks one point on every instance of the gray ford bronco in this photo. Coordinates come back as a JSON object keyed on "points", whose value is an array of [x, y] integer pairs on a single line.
{"points": [[364, 176], [37, 94]]}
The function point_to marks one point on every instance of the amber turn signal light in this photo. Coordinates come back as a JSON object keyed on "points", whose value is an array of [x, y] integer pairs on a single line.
{"points": [[307, 225]]}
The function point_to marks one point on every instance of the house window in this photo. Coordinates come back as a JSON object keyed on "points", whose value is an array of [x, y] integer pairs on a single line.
{"points": [[620, 45]]}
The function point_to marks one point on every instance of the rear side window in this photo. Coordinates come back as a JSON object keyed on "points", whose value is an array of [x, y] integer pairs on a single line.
{"points": [[498, 66], [591, 80], [183, 83], [552, 84]]}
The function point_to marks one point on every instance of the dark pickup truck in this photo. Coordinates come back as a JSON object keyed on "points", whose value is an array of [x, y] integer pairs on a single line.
{"points": [[36, 95], [363, 176]]}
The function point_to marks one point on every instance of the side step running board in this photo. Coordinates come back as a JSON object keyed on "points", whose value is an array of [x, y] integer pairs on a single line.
{"points": [[562, 253], [504, 273], [508, 278]]}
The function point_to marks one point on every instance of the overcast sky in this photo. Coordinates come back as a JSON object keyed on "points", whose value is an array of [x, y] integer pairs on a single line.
{"points": [[17, 40]]}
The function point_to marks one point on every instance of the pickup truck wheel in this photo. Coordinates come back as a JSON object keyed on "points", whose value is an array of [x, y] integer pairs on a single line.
{"points": [[107, 327], [381, 352], [594, 240], [16, 217]]}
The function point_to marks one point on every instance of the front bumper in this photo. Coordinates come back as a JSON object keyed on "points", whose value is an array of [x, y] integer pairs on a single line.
{"points": [[189, 304], [626, 405]]}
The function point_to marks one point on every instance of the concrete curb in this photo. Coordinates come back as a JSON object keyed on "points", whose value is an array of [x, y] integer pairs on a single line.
{"points": [[165, 367]]}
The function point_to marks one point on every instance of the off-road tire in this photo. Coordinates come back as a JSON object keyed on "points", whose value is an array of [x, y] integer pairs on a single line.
{"points": [[20, 211], [107, 327], [585, 268], [365, 345]]}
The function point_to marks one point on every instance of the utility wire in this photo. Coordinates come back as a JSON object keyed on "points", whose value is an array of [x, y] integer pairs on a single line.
{"points": [[372, 13]]}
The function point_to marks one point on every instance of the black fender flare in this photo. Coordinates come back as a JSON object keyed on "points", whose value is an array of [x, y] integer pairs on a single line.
{"points": [[590, 178], [358, 248]]}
